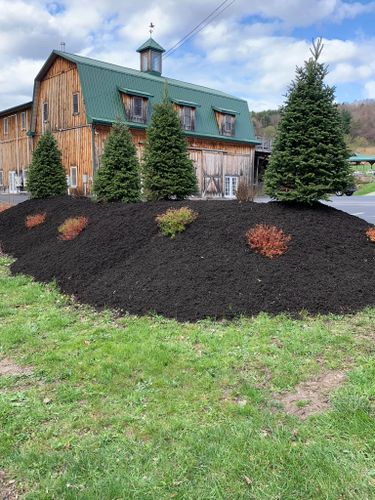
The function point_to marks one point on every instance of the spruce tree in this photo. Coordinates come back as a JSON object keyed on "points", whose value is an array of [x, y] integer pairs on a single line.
{"points": [[118, 177], [46, 173], [309, 157], [167, 169]]}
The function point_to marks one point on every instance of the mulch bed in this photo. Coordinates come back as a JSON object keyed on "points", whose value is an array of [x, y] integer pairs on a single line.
{"points": [[122, 261]]}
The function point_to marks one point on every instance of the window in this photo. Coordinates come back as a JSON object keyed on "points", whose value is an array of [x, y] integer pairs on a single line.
{"points": [[156, 61], [76, 103], [25, 175], [45, 112], [1, 178], [23, 120], [6, 126], [230, 186], [144, 61], [227, 125], [73, 177], [138, 110], [187, 117]]}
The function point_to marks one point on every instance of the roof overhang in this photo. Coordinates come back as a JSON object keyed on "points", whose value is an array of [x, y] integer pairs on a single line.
{"points": [[16, 109], [225, 111]]}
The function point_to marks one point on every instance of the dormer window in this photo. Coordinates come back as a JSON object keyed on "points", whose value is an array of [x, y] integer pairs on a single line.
{"points": [[226, 121], [227, 125], [135, 104], [137, 110], [187, 117]]}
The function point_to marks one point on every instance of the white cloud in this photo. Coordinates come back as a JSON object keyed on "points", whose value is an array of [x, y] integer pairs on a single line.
{"points": [[370, 89], [253, 59]]}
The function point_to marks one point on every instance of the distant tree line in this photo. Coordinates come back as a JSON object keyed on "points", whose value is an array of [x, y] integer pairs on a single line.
{"points": [[358, 121]]}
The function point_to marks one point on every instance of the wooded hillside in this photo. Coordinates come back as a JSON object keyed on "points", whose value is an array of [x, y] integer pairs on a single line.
{"points": [[358, 121]]}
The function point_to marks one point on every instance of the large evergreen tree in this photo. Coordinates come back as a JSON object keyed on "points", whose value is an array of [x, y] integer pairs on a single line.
{"points": [[167, 168], [118, 178], [309, 158], [46, 173]]}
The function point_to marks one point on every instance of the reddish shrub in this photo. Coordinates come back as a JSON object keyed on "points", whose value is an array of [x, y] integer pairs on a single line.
{"points": [[4, 206], [269, 241], [370, 233], [72, 227], [34, 220]]}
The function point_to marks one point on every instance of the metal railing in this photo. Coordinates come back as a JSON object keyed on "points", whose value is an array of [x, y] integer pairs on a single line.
{"points": [[265, 144]]}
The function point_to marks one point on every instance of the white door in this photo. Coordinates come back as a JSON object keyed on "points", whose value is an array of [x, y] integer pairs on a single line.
{"points": [[12, 182], [230, 188]]}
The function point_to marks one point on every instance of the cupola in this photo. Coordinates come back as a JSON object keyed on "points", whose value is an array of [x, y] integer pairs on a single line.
{"points": [[151, 56]]}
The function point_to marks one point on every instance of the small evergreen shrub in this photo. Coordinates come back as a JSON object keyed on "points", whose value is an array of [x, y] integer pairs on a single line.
{"points": [[370, 233], [175, 220], [34, 220], [46, 174], [72, 227], [118, 178], [245, 191], [269, 241], [168, 171]]}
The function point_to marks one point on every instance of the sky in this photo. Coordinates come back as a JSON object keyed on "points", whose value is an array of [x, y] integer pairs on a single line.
{"points": [[250, 50]]}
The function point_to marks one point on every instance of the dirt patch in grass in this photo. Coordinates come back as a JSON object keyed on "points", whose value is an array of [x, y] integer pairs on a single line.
{"points": [[8, 490], [122, 261], [9, 368], [312, 396]]}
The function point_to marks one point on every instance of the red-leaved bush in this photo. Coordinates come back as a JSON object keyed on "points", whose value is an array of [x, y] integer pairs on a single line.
{"points": [[4, 206], [34, 220], [370, 233], [72, 227], [269, 241]]}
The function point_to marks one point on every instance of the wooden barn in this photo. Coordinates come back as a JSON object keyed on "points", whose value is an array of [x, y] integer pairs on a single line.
{"points": [[78, 99]]}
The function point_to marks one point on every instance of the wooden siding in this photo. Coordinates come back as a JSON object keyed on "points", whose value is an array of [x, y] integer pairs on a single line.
{"points": [[212, 159], [15, 146], [73, 134], [57, 89], [101, 133]]}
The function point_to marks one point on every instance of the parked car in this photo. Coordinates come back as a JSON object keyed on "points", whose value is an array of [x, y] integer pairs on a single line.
{"points": [[349, 190]]}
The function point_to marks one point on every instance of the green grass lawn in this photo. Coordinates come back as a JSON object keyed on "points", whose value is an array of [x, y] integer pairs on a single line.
{"points": [[366, 189], [147, 408]]}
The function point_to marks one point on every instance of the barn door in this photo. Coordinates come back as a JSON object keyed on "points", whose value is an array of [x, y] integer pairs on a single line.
{"points": [[212, 174]]}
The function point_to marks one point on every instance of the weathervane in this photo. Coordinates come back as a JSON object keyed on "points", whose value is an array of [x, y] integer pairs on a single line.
{"points": [[152, 26]]}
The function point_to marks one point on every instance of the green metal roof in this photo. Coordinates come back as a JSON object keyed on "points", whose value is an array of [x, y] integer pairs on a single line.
{"points": [[101, 81], [151, 44], [360, 158]]}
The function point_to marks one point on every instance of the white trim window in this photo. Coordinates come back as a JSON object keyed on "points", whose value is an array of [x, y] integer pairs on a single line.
{"points": [[23, 120], [25, 175], [1, 178], [230, 186], [6, 126], [45, 112], [73, 177], [75, 103]]}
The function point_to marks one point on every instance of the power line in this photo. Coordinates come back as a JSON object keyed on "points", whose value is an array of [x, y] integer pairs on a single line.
{"points": [[196, 27], [199, 27]]}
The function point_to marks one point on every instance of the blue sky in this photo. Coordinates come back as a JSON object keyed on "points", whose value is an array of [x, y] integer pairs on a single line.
{"points": [[250, 50]]}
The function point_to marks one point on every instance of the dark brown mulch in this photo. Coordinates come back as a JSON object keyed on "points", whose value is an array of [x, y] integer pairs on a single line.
{"points": [[121, 260]]}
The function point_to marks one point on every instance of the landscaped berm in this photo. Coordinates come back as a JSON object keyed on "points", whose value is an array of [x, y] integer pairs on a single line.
{"points": [[121, 260]]}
